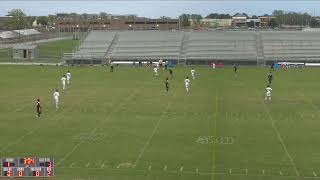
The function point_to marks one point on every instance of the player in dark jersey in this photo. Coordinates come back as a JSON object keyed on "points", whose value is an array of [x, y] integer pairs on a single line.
{"points": [[38, 108], [272, 66], [167, 84], [171, 73], [235, 69], [111, 68], [270, 77]]}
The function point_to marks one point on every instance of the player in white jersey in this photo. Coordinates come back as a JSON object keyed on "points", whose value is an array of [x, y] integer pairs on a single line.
{"points": [[268, 93], [187, 83], [68, 77], [155, 70], [63, 80], [193, 73], [56, 95]]}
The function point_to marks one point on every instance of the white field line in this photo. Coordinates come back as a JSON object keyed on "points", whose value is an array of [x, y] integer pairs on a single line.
{"points": [[75, 147], [192, 172], [20, 108], [57, 117], [309, 101], [164, 114], [281, 140], [25, 135]]}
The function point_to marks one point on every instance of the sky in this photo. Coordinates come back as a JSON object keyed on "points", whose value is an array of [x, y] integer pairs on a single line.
{"points": [[156, 8]]}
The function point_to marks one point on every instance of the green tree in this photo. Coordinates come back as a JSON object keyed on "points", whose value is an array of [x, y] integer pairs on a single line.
{"points": [[43, 20], [218, 16], [196, 19], [18, 19], [185, 20], [314, 22], [103, 14], [273, 23], [51, 19], [250, 24]]}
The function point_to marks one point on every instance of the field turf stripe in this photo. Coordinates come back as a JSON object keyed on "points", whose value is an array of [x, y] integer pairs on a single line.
{"points": [[214, 135], [115, 109]]}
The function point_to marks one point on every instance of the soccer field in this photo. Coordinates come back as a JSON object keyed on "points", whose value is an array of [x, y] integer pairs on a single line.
{"points": [[123, 125]]}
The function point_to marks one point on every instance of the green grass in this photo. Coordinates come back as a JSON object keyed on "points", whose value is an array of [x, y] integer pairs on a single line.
{"points": [[50, 52], [126, 118], [57, 48]]}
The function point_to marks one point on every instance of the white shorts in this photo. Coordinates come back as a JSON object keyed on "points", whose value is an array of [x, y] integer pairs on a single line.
{"points": [[187, 85], [56, 99], [268, 94]]}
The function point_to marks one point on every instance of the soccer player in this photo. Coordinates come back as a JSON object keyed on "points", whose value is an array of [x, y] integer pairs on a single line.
{"points": [[38, 108], [193, 74], [56, 96], [268, 93], [270, 77], [111, 68], [171, 72], [235, 70], [167, 84], [187, 83], [63, 80], [68, 77], [155, 70], [272, 66]]}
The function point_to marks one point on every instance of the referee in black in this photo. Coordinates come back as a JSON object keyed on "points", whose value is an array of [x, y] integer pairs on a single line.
{"points": [[38, 108]]}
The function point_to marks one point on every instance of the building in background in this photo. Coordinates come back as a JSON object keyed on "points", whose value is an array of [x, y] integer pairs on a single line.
{"points": [[25, 52], [239, 20], [264, 20], [113, 22], [216, 23], [253, 23]]}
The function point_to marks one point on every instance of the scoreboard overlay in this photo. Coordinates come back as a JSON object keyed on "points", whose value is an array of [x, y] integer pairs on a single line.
{"points": [[27, 167]]}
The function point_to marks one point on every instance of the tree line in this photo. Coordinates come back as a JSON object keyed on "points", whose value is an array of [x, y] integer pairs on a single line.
{"points": [[19, 20], [282, 18]]}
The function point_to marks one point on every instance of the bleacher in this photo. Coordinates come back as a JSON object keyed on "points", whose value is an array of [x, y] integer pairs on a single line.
{"points": [[221, 45], [147, 45], [94, 46], [291, 46], [200, 47]]}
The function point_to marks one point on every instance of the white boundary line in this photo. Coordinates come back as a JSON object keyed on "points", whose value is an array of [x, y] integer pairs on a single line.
{"points": [[192, 172], [75, 147], [164, 114], [26, 134], [281, 140]]}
